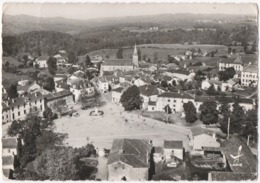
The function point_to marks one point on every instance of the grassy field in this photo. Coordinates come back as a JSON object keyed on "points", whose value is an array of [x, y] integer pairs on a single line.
{"points": [[11, 60], [13, 78], [163, 50]]}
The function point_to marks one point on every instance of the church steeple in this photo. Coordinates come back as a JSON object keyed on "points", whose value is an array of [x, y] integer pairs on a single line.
{"points": [[135, 58], [135, 50]]}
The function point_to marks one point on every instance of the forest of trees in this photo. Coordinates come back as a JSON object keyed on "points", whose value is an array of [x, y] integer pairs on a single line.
{"points": [[38, 42]]}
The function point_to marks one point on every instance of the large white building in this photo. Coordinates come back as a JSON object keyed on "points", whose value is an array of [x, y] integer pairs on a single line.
{"points": [[120, 64], [41, 62], [235, 62], [174, 100], [18, 108], [81, 87], [249, 76]]}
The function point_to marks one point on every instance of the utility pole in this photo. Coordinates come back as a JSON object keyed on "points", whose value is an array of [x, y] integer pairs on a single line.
{"points": [[248, 138], [228, 128]]}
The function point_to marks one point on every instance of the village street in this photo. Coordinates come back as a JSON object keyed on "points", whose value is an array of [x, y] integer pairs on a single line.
{"points": [[117, 123]]}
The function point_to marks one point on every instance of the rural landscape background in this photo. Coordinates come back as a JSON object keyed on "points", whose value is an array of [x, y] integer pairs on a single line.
{"points": [[164, 96]]}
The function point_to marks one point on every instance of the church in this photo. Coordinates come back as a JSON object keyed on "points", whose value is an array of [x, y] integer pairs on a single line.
{"points": [[120, 64]]}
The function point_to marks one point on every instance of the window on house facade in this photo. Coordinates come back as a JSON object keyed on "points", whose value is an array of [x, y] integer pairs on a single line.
{"points": [[174, 101], [13, 116], [6, 116], [41, 107], [169, 100], [35, 102], [3, 117], [12, 108], [18, 106], [24, 105], [19, 113]]}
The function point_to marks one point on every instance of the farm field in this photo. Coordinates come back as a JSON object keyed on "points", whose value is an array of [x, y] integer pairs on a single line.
{"points": [[163, 50], [13, 78]]}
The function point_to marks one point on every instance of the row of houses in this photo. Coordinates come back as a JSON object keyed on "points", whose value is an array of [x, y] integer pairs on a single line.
{"points": [[247, 72], [132, 159], [156, 99]]}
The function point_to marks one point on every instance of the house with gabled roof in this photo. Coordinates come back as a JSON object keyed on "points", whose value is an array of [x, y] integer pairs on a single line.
{"points": [[149, 93], [129, 160], [41, 62], [80, 87], [249, 75], [10, 154], [232, 61], [18, 108], [174, 100], [173, 148]]}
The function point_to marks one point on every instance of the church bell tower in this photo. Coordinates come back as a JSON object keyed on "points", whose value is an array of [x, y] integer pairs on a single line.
{"points": [[135, 58]]}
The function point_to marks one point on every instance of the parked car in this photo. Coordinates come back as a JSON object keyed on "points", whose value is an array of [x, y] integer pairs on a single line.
{"points": [[172, 164], [75, 114]]}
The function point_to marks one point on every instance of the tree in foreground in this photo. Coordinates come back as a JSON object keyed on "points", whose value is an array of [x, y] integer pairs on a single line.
{"points": [[71, 57], [209, 113], [12, 91], [35, 132], [190, 112], [131, 99], [52, 65], [211, 90], [119, 53], [60, 163], [87, 62]]}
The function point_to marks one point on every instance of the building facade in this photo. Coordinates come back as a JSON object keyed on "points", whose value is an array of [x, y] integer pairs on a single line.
{"points": [[174, 100], [249, 76], [18, 108], [120, 64]]}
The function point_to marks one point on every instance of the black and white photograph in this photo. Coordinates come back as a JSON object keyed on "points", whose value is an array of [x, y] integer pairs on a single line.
{"points": [[129, 91]]}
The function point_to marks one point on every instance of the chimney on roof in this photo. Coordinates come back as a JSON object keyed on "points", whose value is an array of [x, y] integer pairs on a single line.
{"points": [[214, 135]]}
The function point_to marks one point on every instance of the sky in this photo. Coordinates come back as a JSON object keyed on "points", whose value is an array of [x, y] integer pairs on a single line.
{"points": [[92, 10]]}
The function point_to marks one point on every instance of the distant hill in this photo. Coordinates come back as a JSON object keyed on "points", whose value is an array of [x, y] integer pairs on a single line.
{"points": [[23, 23]]}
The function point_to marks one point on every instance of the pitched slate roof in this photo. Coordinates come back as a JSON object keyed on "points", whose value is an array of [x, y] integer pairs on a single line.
{"points": [[148, 90], [171, 144], [232, 176], [231, 100], [251, 68], [118, 62], [7, 160], [21, 100], [158, 150], [176, 95], [57, 95], [9, 143], [7, 172], [204, 98], [248, 160], [199, 131], [119, 89], [25, 87], [61, 84], [42, 58], [81, 84], [133, 152]]}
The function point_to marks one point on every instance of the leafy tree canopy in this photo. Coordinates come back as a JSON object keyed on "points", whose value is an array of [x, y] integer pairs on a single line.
{"points": [[131, 98]]}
